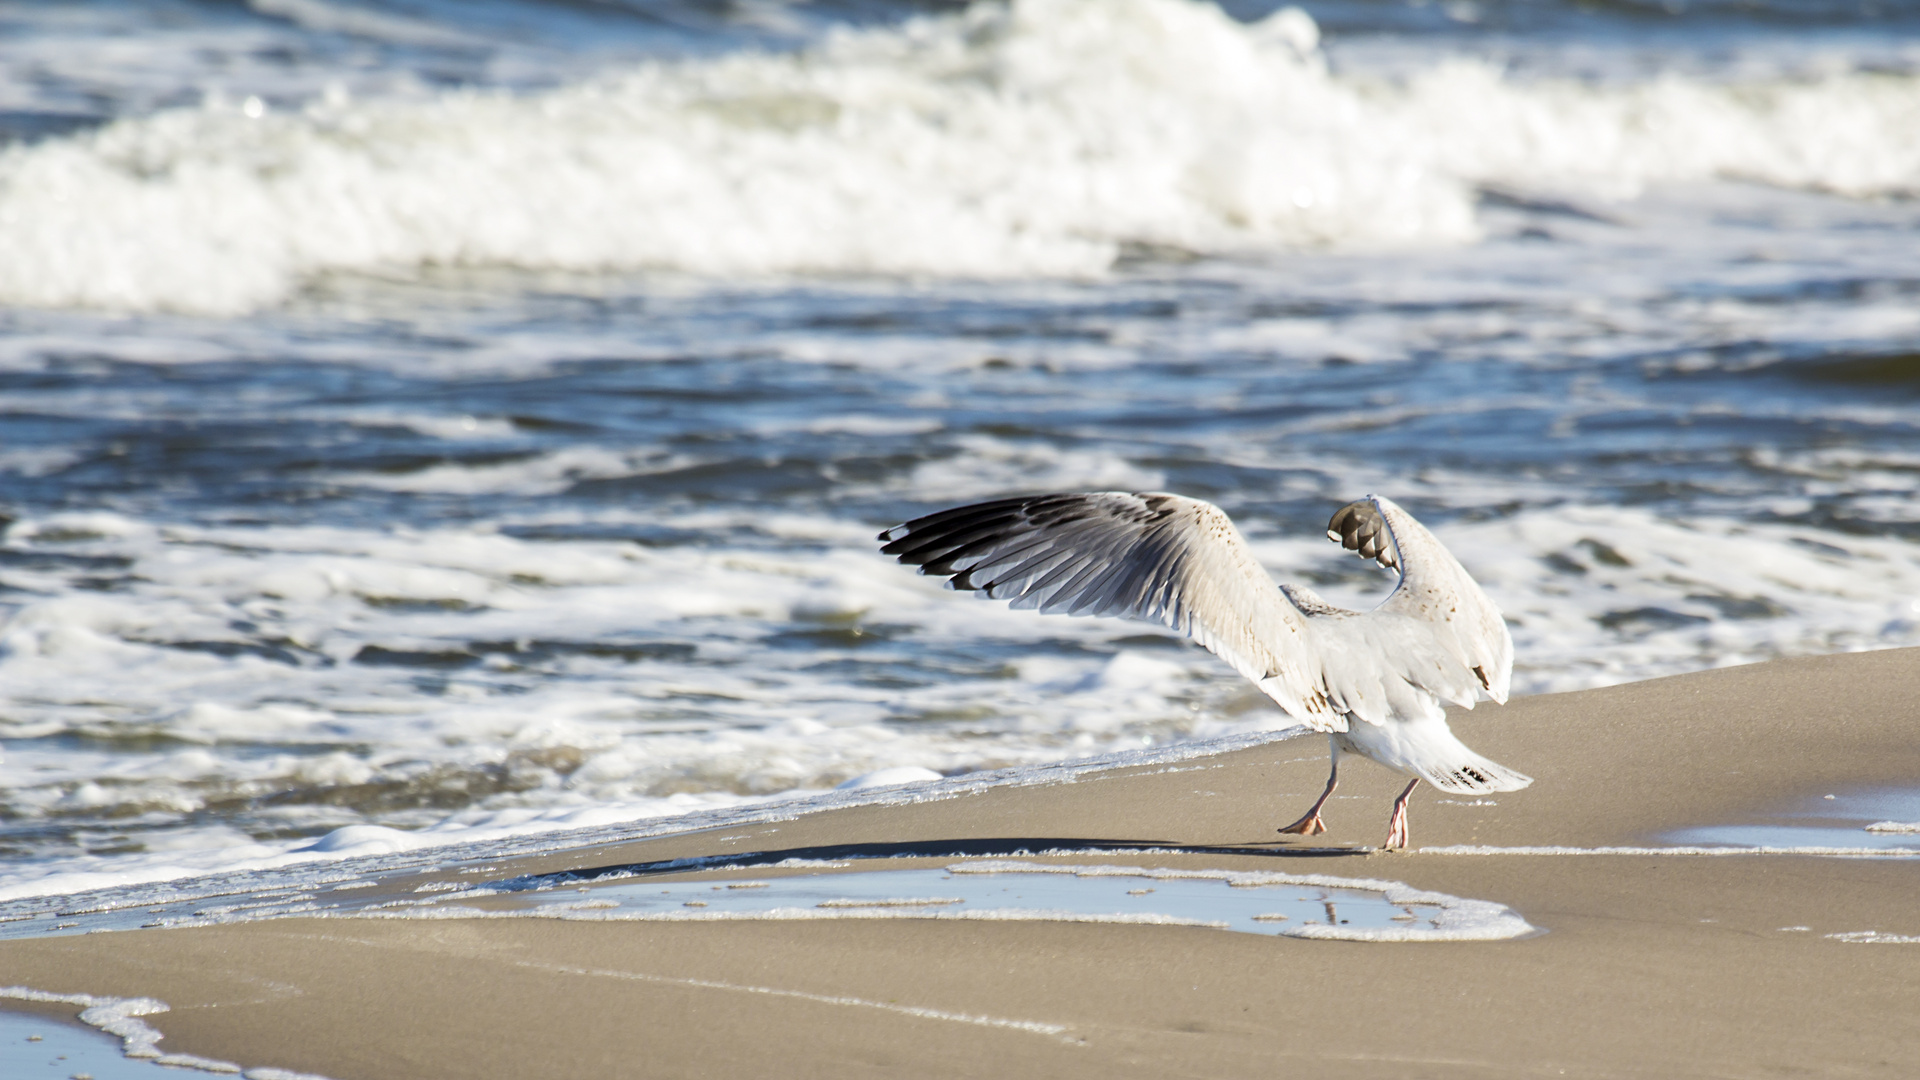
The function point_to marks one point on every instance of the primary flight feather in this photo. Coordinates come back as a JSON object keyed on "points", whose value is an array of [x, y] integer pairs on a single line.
{"points": [[1373, 681]]}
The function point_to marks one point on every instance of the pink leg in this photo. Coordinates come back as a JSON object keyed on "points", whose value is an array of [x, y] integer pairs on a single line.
{"points": [[1397, 824], [1310, 825]]}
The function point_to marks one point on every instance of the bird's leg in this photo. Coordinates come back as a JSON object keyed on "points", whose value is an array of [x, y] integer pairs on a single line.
{"points": [[1309, 824], [1397, 824]]}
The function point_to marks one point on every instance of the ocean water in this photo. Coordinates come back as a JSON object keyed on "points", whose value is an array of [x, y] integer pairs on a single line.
{"points": [[439, 416]]}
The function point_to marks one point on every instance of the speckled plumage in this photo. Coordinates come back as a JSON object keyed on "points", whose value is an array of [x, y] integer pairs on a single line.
{"points": [[1374, 681]]}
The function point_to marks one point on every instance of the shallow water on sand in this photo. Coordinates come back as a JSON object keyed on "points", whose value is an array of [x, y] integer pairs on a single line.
{"points": [[1314, 906], [1882, 818], [477, 417], [1013, 891], [37, 1048]]}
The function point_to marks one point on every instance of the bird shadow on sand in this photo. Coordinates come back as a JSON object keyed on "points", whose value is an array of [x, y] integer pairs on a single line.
{"points": [[1003, 847]]}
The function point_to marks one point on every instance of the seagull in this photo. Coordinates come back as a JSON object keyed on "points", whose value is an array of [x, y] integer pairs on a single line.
{"points": [[1373, 681]]}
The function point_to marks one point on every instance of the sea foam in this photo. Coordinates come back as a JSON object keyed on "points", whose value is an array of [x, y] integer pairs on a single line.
{"points": [[1046, 137], [587, 682]]}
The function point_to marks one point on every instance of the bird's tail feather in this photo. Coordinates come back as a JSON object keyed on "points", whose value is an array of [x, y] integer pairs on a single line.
{"points": [[1469, 772], [1423, 746]]}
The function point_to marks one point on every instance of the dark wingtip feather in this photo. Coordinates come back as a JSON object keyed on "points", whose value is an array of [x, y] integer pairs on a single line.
{"points": [[1035, 549], [1360, 528]]}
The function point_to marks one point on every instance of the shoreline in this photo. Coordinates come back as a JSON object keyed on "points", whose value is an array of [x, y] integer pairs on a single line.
{"points": [[1652, 963]]}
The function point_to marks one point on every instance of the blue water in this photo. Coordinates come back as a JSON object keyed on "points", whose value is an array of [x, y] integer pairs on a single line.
{"points": [[1839, 821], [1266, 909], [490, 519], [1212, 898], [35, 1048]]}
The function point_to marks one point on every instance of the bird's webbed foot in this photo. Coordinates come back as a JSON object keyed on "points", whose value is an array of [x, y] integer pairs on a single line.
{"points": [[1310, 825], [1397, 824]]}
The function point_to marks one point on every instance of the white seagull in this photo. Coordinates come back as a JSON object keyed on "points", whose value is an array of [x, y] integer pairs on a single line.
{"points": [[1372, 681]]}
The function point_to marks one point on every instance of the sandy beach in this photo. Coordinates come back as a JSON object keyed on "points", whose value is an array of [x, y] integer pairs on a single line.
{"points": [[1655, 965]]}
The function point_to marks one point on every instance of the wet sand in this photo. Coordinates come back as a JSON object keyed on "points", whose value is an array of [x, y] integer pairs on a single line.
{"points": [[1649, 966]]}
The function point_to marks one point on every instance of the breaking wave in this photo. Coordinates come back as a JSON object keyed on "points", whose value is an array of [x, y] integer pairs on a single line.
{"points": [[1041, 138]]}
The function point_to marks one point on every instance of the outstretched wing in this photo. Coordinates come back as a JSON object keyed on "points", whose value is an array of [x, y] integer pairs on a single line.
{"points": [[1158, 558], [1437, 632]]}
